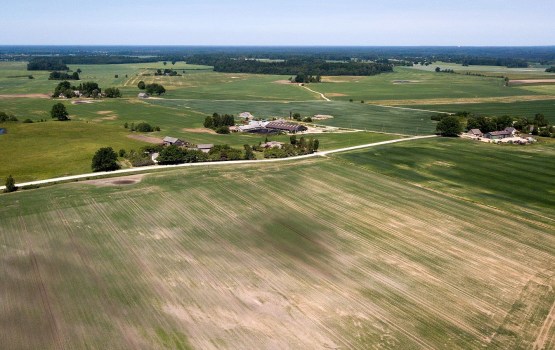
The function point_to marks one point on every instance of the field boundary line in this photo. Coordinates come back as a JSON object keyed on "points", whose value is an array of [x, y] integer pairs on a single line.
{"points": [[207, 164]]}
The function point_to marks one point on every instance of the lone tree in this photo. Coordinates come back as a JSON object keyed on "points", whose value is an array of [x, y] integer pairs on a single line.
{"points": [[105, 159], [10, 185], [141, 85], [449, 126], [59, 112]]}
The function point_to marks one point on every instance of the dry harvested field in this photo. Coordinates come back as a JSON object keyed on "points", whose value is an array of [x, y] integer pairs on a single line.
{"points": [[532, 81], [306, 255]]}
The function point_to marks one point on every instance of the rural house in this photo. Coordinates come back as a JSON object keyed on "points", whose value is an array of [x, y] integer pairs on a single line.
{"points": [[288, 127], [143, 95], [246, 116], [498, 135], [205, 147], [511, 130], [169, 141], [475, 133]]}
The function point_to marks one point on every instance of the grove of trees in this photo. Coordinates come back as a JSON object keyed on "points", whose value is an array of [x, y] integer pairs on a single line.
{"points": [[63, 76], [5, 117], [155, 89], [219, 123], [449, 126]]}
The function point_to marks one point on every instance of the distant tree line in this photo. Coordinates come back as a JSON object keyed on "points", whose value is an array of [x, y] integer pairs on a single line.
{"points": [[59, 63], [63, 76], [308, 66], [47, 63], [550, 69]]}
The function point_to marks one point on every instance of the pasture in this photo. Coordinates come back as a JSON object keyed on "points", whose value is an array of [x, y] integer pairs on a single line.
{"points": [[322, 253]]}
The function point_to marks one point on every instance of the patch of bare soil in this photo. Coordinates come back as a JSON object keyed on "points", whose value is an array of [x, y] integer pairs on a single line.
{"points": [[144, 138], [532, 81], [104, 112], [116, 181], [81, 102], [405, 81], [285, 82], [25, 96], [335, 94], [199, 130]]}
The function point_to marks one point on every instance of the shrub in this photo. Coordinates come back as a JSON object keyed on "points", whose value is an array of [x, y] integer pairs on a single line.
{"points": [[223, 129], [545, 133], [144, 127], [141, 85], [122, 153], [27, 121], [10, 185]]}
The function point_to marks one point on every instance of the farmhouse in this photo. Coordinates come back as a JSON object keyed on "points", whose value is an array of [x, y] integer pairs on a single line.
{"points": [[475, 133], [169, 141], [205, 147], [512, 130], [272, 144], [497, 135], [143, 95], [288, 127], [253, 126]]}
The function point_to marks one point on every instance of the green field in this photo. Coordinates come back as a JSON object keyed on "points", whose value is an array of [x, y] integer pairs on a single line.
{"points": [[374, 249], [346, 114], [44, 150], [516, 109], [520, 179]]}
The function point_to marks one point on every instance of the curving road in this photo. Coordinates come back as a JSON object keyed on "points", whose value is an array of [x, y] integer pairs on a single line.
{"points": [[205, 164]]}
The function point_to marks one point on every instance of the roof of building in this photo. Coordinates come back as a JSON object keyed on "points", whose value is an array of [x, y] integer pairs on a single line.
{"points": [[205, 146], [475, 131], [170, 139], [246, 115], [510, 129], [285, 126], [499, 133]]}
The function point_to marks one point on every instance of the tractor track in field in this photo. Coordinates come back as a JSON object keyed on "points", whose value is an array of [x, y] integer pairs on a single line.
{"points": [[45, 299]]}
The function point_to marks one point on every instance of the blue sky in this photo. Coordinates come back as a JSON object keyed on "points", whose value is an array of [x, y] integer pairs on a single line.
{"points": [[278, 22]]}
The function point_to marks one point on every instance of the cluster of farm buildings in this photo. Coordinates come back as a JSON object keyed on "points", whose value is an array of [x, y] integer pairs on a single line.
{"points": [[507, 135], [266, 127]]}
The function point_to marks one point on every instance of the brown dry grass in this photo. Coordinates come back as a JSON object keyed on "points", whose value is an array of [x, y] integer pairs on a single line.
{"points": [[25, 96], [145, 138], [199, 130]]}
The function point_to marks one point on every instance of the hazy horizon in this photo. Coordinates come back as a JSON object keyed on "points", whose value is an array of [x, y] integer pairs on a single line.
{"points": [[287, 23]]}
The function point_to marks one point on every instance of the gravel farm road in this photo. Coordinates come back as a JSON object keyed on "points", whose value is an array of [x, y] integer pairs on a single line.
{"points": [[235, 162]]}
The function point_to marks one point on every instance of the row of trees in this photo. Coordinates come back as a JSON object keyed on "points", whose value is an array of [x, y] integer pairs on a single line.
{"points": [[63, 76], [306, 78], [293, 148], [309, 66], [86, 89], [167, 71], [141, 127], [59, 63], [219, 123], [453, 125], [5, 117], [151, 88]]}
